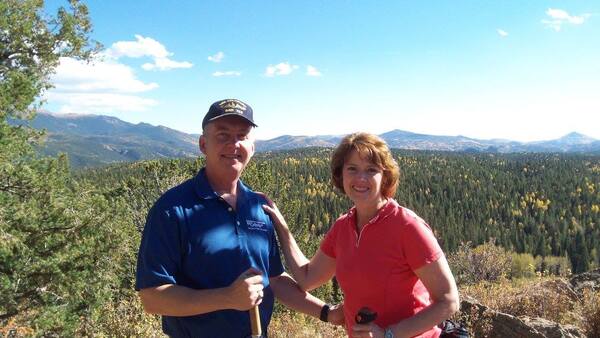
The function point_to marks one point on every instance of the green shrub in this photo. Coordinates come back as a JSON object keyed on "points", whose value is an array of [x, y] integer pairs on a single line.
{"points": [[523, 265], [553, 265], [486, 262]]}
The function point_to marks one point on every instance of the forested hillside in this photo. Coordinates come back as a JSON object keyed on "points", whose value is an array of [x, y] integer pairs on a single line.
{"points": [[543, 204]]}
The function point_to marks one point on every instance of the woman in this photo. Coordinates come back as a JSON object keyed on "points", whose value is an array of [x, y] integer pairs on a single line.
{"points": [[383, 255]]}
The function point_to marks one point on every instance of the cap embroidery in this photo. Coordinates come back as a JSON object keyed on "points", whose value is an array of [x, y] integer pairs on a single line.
{"points": [[231, 106]]}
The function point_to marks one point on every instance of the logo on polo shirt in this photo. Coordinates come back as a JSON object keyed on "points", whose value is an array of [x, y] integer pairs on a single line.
{"points": [[256, 225]]}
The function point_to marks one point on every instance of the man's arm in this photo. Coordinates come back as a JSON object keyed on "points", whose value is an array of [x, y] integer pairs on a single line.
{"points": [[289, 293], [176, 300]]}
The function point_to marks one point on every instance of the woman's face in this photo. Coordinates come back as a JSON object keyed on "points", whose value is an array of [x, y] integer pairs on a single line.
{"points": [[361, 179]]}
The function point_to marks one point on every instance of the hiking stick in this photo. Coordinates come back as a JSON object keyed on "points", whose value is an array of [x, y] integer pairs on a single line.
{"points": [[255, 322]]}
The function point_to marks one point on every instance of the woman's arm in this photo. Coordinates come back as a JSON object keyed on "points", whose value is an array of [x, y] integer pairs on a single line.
{"points": [[440, 283], [308, 274], [438, 280]]}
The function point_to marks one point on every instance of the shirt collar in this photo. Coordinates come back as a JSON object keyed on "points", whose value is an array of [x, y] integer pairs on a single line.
{"points": [[205, 191], [388, 209]]}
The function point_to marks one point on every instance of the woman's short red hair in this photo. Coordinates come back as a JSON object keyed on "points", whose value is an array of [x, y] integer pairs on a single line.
{"points": [[370, 147]]}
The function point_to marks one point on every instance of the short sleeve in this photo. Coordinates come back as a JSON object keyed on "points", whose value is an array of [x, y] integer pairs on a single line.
{"points": [[159, 257], [275, 265], [328, 243], [419, 243]]}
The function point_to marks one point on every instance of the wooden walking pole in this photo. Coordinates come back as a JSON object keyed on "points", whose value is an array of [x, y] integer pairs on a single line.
{"points": [[255, 322]]}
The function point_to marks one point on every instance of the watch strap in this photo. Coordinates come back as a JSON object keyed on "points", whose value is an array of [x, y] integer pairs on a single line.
{"points": [[324, 312]]}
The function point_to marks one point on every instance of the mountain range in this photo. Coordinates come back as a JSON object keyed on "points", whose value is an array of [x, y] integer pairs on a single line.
{"points": [[92, 140]]}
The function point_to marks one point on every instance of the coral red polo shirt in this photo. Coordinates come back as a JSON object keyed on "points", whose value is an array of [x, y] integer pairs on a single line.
{"points": [[375, 268]]}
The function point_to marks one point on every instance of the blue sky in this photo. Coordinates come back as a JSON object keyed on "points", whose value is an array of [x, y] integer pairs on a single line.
{"points": [[521, 70]]}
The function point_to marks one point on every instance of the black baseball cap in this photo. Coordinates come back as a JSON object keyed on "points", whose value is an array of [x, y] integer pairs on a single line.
{"points": [[228, 107]]}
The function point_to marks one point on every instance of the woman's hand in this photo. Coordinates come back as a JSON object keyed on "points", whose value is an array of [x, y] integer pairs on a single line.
{"points": [[370, 330], [336, 314], [274, 212]]}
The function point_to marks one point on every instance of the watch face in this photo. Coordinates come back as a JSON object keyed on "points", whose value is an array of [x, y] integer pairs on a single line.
{"points": [[388, 333]]}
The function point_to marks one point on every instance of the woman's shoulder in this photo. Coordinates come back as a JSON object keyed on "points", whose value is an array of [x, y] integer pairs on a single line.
{"points": [[343, 219], [406, 216], [346, 215]]}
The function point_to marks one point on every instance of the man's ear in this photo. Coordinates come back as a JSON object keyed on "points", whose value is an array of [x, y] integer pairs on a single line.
{"points": [[202, 144]]}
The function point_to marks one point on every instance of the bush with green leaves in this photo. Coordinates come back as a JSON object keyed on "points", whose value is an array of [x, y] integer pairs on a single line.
{"points": [[553, 265], [523, 265], [486, 262]]}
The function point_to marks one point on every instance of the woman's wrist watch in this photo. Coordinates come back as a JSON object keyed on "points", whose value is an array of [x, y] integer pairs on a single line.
{"points": [[388, 333], [325, 312]]}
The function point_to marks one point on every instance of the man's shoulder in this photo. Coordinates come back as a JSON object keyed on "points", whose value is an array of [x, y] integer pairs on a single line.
{"points": [[254, 196], [256, 199], [178, 195]]}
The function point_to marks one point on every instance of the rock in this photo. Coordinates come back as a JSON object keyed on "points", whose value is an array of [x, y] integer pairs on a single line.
{"points": [[587, 280], [551, 329], [574, 330], [494, 324]]}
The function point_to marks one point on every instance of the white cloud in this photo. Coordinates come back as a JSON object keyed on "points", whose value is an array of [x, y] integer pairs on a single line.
{"points": [[217, 57], [97, 87], [502, 33], [227, 73], [145, 47], [137, 49], [558, 17], [105, 85], [283, 68], [312, 71], [106, 76], [165, 64]]}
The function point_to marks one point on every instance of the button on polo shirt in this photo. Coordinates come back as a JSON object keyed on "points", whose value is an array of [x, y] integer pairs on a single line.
{"points": [[195, 239]]}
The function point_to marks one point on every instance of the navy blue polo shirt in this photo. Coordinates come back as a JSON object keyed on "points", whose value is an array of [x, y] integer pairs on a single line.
{"points": [[195, 239]]}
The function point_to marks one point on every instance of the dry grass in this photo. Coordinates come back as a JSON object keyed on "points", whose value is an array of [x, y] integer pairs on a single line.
{"points": [[547, 298], [14, 328], [301, 326], [590, 312], [123, 318]]}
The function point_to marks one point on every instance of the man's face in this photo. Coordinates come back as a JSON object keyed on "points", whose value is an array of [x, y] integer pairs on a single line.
{"points": [[227, 144]]}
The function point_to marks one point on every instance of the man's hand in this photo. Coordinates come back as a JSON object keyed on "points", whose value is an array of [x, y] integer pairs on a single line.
{"points": [[246, 291]]}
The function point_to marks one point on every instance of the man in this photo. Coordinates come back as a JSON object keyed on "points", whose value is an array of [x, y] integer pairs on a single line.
{"points": [[208, 252]]}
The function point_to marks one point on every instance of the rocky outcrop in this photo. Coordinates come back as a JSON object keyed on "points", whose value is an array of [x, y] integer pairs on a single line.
{"points": [[588, 280], [551, 329], [495, 324]]}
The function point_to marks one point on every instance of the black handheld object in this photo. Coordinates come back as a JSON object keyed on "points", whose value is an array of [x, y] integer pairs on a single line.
{"points": [[451, 329], [365, 316]]}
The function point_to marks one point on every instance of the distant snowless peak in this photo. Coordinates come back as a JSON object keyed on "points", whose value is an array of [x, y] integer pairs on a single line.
{"points": [[570, 138], [69, 115]]}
